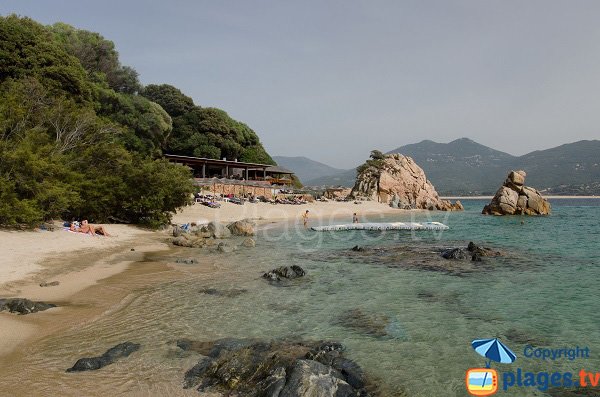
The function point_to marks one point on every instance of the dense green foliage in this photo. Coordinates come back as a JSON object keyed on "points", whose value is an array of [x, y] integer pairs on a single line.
{"points": [[205, 132], [75, 139], [375, 161]]}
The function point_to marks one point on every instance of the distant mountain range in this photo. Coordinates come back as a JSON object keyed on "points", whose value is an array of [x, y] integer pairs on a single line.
{"points": [[465, 167], [305, 168]]}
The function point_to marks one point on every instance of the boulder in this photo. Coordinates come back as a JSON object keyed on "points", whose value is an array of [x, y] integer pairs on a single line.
{"points": [[514, 198], [287, 368], [218, 230], [311, 378], [517, 177], [189, 240], [23, 306], [109, 357], [397, 180], [242, 228]]}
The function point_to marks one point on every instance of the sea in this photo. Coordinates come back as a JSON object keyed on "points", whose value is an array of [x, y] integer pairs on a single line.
{"points": [[407, 316]]}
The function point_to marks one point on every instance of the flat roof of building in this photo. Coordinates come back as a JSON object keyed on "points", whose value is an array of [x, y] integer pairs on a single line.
{"points": [[203, 160]]}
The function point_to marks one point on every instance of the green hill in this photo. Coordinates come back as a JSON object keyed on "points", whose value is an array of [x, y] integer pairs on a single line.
{"points": [[77, 140]]}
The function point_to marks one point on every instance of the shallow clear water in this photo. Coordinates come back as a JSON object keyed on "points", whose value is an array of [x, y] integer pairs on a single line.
{"points": [[546, 292]]}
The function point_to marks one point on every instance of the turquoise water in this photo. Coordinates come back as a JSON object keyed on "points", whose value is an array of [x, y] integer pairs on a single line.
{"points": [[544, 292]]}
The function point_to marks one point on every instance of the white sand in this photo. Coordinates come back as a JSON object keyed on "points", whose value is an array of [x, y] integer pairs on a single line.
{"points": [[280, 212], [22, 254]]}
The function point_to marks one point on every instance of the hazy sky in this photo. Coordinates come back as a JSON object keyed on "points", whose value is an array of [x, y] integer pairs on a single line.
{"points": [[332, 80]]}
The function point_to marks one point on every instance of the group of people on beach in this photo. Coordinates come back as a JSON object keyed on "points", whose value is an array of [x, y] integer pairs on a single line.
{"points": [[87, 228]]}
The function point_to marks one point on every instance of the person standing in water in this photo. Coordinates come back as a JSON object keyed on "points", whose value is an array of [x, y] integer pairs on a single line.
{"points": [[305, 218], [354, 218]]}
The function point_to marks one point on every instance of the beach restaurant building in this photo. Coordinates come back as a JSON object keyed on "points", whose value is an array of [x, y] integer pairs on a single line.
{"points": [[234, 172]]}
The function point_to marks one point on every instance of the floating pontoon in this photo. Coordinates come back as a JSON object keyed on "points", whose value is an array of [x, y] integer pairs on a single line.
{"points": [[383, 226]]}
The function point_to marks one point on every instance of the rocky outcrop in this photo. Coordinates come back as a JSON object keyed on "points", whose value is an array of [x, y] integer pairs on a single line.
{"points": [[514, 198], [205, 235], [109, 357], [23, 306], [397, 180], [279, 369]]}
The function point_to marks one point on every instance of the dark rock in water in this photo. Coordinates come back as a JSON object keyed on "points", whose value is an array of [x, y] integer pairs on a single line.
{"points": [[358, 248], [225, 248], [23, 306], [482, 251], [352, 372], [455, 253], [574, 392], [50, 284], [366, 323], [111, 355], [285, 272], [189, 261], [197, 372], [526, 337], [227, 293], [476, 257], [279, 368]]}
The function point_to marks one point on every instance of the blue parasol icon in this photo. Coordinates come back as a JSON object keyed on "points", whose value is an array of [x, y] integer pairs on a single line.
{"points": [[493, 350]]}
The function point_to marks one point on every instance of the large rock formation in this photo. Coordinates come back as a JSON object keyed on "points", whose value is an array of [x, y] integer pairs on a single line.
{"points": [[397, 180], [514, 198]]}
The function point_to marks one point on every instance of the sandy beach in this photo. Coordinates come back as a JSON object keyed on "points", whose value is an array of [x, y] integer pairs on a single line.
{"points": [[280, 212], [78, 262]]}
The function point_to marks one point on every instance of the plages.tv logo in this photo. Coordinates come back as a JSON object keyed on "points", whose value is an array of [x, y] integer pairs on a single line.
{"points": [[484, 381]]}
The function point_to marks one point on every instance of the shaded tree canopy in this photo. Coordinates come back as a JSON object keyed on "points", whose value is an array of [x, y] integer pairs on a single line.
{"points": [[205, 132]]}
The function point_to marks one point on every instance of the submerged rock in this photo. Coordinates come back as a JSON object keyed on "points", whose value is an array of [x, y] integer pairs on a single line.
{"points": [[225, 248], [371, 324], [186, 261], [574, 392], [423, 255], [23, 306], [227, 293], [455, 253], [514, 198], [358, 248], [249, 243], [279, 368], [285, 272], [473, 252], [109, 357]]}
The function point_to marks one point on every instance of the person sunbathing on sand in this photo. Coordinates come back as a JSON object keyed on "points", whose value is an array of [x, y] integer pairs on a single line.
{"points": [[86, 228]]}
